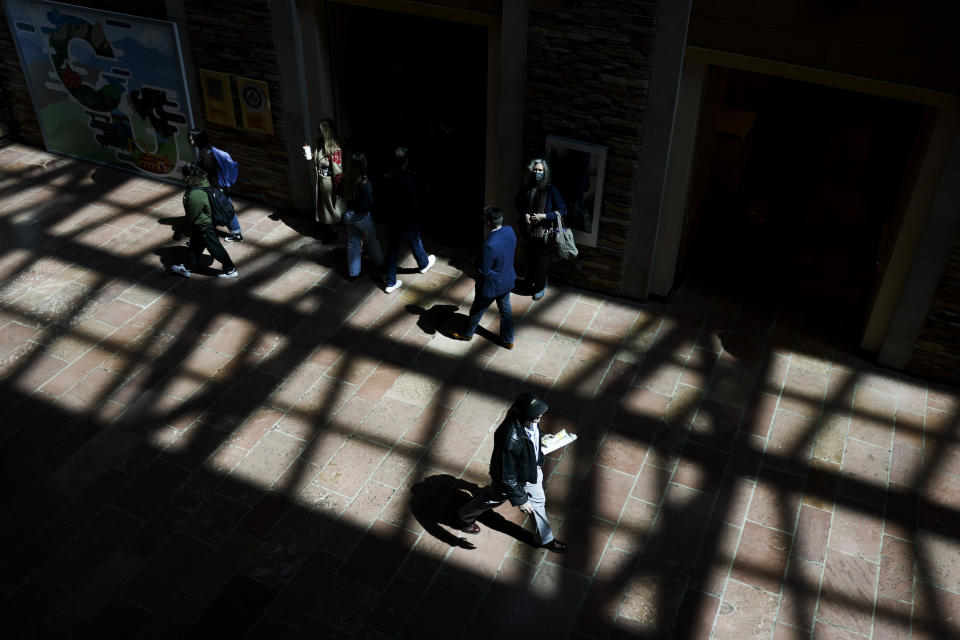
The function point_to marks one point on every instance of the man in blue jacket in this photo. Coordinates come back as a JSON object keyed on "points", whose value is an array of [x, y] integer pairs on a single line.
{"points": [[516, 472], [495, 278]]}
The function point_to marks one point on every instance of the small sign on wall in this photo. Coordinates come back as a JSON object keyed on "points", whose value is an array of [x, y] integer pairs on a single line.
{"points": [[255, 105], [217, 97]]}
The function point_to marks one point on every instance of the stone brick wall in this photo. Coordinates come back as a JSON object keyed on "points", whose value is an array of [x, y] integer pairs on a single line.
{"points": [[236, 38], [936, 353], [588, 69], [16, 96]]}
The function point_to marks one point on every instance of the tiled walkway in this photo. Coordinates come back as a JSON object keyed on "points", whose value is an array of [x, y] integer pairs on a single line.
{"points": [[278, 456]]}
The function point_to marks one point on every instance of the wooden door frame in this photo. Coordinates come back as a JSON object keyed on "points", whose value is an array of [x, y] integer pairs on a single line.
{"points": [[504, 109]]}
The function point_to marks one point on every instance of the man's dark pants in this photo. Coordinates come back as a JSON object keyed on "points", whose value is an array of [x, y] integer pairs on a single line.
{"points": [[206, 238], [480, 304]]}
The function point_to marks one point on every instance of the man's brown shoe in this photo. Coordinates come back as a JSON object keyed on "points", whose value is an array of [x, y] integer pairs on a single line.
{"points": [[473, 528], [507, 345], [556, 546], [459, 336]]}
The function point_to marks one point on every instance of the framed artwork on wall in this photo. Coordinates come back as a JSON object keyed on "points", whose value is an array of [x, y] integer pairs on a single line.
{"points": [[217, 97], [106, 87], [577, 170], [255, 105]]}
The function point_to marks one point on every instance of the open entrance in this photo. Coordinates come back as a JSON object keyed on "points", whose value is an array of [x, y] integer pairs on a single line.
{"points": [[796, 195], [420, 82]]}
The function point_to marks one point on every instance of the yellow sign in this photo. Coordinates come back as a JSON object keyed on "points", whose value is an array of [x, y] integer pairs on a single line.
{"points": [[255, 105], [217, 97]]}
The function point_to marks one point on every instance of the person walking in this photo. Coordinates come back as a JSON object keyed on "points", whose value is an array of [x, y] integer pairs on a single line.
{"points": [[495, 278], [361, 231], [516, 472], [399, 210], [539, 203], [199, 223], [221, 170], [327, 157]]}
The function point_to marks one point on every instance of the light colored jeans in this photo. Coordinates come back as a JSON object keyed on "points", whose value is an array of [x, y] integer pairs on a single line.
{"points": [[488, 498], [361, 231]]}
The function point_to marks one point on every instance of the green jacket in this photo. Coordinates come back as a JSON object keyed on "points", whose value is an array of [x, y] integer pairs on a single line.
{"points": [[196, 206]]}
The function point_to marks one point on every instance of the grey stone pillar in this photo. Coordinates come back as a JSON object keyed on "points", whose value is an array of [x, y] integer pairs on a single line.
{"points": [[176, 13], [673, 16], [509, 121], [676, 188], [928, 264], [288, 45]]}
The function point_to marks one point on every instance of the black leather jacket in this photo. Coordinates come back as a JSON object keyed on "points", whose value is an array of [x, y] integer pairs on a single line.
{"points": [[514, 460]]}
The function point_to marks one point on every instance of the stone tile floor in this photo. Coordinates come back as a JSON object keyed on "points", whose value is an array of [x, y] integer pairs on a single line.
{"points": [[279, 456]]}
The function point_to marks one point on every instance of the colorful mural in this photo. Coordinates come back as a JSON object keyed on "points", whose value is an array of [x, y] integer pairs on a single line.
{"points": [[105, 86]]}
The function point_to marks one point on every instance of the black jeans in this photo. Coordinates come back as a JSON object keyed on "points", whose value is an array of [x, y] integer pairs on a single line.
{"points": [[538, 259], [206, 238]]}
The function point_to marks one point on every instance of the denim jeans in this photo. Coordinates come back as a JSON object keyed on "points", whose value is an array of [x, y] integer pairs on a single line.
{"points": [[480, 304], [361, 231], [234, 225], [538, 260], [412, 236]]}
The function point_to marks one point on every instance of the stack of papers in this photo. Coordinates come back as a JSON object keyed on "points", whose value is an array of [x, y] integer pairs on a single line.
{"points": [[553, 441]]}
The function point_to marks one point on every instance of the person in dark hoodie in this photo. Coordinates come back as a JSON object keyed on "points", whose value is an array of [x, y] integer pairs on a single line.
{"points": [[199, 224], [516, 471], [399, 210]]}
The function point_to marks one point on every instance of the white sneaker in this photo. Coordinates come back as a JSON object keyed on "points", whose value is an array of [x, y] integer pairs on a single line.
{"points": [[180, 270], [229, 274], [431, 260], [396, 285]]}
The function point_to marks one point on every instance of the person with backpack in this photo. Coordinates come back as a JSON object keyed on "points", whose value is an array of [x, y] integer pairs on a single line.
{"points": [[199, 223], [222, 171]]}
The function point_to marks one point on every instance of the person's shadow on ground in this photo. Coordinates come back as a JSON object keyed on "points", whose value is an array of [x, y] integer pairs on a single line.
{"points": [[445, 320], [434, 504], [440, 318]]}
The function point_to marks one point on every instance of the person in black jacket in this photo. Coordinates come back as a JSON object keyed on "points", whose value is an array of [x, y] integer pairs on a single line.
{"points": [[539, 203], [399, 208], [516, 471]]}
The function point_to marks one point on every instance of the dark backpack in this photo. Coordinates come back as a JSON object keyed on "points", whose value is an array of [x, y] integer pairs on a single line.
{"points": [[221, 208]]}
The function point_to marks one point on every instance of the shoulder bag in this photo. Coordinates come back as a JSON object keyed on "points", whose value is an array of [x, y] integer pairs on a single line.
{"points": [[561, 239]]}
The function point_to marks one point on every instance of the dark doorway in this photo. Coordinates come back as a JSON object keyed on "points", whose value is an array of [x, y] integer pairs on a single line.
{"points": [[805, 186], [420, 82]]}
